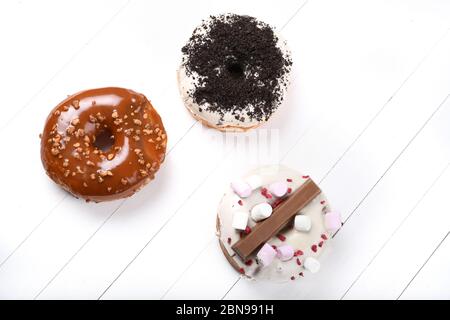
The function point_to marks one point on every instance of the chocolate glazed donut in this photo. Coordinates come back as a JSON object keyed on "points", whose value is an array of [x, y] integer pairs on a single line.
{"points": [[103, 144]]}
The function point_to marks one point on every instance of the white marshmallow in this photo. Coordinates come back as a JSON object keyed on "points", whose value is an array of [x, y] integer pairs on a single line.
{"points": [[311, 264], [261, 211], [240, 219], [254, 181], [302, 223]]}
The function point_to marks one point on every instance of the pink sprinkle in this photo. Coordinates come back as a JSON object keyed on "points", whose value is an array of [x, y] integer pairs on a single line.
{"points": [[241, 270], [274, 247], [229, 240], [289, 190], [247, 230], [314, 248], [276, 203], [292, 278], [324, 236], [281, 237], [305, 177], [240, 202], [298, 253], [266, 193], [249, 262], [289, 180], [299, 262], [321, 244], [301, 274], [322, 202]]}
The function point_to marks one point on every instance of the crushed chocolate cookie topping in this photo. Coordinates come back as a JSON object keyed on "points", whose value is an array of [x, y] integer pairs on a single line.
{"points": [[238, 67]]}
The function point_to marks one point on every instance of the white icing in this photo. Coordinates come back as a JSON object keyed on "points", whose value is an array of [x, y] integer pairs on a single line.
{"points": [[188, 82], [278, 271], [279, 267]]}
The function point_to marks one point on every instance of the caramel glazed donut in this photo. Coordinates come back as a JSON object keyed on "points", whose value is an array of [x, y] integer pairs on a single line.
{"points": [[234, 72], [288, 246], [103, 144]]}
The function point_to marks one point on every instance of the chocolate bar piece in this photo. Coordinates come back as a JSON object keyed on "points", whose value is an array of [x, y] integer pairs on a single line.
{"points": [[280, 217]]}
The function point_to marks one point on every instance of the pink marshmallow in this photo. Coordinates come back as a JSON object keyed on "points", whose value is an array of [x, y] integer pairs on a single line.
{"points": [[241, 188], [285, 252], [266, 255], [333, 221], [278, 189]]}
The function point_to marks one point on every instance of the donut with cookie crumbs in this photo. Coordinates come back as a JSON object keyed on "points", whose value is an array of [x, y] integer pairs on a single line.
{"points": [[234, 72]]}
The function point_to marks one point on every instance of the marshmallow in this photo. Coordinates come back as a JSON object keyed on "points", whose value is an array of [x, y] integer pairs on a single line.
{"points": [[240, 219], [311, 264], [285, 252], [261, 211], [254, 181], [241, 188], [278, 189], [302, 223], [266, 255], [333, 221]]}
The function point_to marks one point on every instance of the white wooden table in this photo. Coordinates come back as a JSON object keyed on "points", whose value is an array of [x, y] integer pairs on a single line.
{"points": [[367, 116]]}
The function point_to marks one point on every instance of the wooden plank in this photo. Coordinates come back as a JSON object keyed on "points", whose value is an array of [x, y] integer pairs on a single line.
{"points": [[407, 250], [37, 47], [433, 281]]}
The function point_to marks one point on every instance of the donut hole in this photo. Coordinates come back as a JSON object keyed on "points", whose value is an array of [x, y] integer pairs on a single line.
{"points": [[234, 68], [104, 140]]}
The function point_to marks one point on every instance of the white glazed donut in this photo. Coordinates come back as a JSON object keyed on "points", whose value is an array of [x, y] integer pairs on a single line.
{"points": [[234, 72], [292, 247]]}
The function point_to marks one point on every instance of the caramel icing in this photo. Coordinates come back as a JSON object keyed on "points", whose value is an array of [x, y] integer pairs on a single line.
{"points": [[72, 158]]}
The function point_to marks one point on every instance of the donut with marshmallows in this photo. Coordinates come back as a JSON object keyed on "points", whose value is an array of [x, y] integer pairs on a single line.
{"points": [[294, 250]]}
